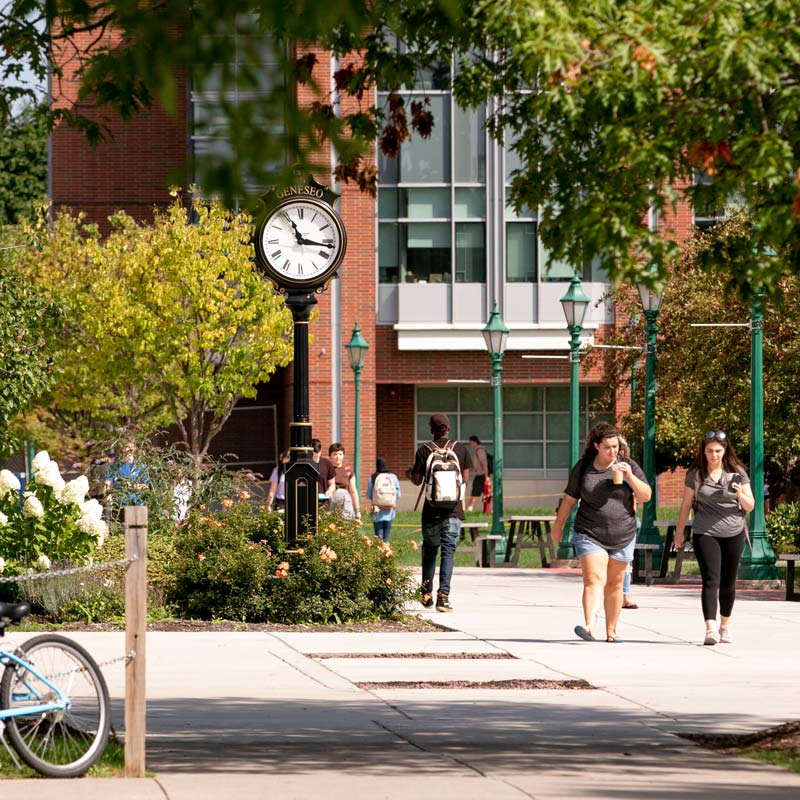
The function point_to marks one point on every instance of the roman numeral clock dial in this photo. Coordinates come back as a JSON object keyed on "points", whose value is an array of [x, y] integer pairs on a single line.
{"points": [[300, 243]]}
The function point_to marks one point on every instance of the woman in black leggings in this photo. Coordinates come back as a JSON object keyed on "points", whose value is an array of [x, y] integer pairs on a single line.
{"points": [[718, 489]]}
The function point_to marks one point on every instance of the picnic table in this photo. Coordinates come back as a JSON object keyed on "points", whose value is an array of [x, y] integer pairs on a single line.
{"points": [[480, 543], [529, 531]]}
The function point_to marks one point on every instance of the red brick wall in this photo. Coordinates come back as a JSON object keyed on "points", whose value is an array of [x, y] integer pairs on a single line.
{"points": [[130, 171]]}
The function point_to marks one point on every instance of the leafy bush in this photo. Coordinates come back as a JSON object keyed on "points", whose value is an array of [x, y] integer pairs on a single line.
{"points": [[234, 564], [783, 528], [219, 572]]}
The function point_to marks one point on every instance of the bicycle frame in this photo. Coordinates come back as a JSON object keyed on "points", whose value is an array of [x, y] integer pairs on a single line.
{"points": [[62, 702]]}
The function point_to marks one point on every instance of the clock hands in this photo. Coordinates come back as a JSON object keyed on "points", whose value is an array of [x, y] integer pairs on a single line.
{"points": [[297, 235], [317, 244]]}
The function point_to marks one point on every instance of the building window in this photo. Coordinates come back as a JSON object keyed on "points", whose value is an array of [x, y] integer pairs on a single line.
{"points": [[535, 420], [259, 59], [432, 198]]}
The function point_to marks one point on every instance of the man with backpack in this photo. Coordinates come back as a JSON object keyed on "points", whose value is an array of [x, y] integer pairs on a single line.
{"points": [[442, 467]]}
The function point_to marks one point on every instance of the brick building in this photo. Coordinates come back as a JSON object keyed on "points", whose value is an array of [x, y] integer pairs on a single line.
{"points": [[426, 261]]}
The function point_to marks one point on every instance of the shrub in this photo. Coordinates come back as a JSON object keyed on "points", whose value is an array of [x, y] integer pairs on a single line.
{"points": [[234, 564], [783, 528], [338, 575], [219, 572]]}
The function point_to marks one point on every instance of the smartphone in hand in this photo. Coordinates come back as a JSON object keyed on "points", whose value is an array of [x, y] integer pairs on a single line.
{"points": [[732, 483]]}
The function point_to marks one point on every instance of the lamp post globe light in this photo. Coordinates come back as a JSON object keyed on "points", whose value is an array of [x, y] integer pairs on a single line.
{"points": [[357, 352], [651, 305], [574, 303], [495, 334], [758, 559]]}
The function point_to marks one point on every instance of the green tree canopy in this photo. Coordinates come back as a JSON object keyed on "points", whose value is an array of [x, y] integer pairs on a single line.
{"points": [[614, 106], [28, 318], [166, 323], [703, 373], [23, 164]]}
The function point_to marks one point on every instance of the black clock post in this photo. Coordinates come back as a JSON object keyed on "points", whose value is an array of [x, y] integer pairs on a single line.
{"points": [[301, 474], [300, 243]]}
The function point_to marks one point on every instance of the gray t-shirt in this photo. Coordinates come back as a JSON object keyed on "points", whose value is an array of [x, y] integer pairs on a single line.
{"points": [[605, 513], [716, 509]]}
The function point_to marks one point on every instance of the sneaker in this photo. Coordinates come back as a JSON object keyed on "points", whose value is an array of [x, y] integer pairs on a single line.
{"points": [[443, 603], [426, 600], [712, 637], [725, 635]]}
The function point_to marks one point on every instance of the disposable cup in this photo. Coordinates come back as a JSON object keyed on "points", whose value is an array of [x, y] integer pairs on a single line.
{"points": [[616, 474]]}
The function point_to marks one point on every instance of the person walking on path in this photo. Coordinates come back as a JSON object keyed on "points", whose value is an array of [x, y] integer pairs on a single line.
{"points": [[441, 524], [718, 489], [604, 533], [480, 470], [383, 489]]}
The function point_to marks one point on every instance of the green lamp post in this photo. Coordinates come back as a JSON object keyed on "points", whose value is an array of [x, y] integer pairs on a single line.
{"points": [[574, 303], [651, 305], [495, 334], [758, 560], [357, 352]]}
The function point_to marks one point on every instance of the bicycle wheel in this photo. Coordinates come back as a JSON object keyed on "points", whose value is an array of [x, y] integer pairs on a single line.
{"points": [[66, 742]]}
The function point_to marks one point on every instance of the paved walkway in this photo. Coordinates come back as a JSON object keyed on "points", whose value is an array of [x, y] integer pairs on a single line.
{"points": [[251, 715]]}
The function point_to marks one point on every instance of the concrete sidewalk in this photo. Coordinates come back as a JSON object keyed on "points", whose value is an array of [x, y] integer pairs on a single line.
{"points": [[250, 715]]}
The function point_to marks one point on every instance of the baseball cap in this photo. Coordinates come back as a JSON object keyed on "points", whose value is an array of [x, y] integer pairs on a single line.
{"points": [[438, 421]]}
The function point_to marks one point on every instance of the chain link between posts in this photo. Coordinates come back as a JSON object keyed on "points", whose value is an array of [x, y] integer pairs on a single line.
{"points": [[54, 573]]}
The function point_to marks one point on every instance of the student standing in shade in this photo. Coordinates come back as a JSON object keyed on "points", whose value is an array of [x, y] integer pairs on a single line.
{"points": [[276, 499], [383, 515], [480, 469], [718, 488], [604, 532]]}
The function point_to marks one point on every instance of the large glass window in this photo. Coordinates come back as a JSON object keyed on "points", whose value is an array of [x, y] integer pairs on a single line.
{"points": [[255, 60], [535, 420], [432, 198]]}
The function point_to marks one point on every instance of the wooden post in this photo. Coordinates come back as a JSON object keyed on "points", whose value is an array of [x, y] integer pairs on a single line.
{"points": [[135, 629]]}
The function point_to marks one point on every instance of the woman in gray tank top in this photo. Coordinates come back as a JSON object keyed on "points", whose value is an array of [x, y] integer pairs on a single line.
{"points": [[718, 489]]}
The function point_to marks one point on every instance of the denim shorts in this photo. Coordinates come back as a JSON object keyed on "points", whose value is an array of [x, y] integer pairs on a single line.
{"points": [[585, 546]]}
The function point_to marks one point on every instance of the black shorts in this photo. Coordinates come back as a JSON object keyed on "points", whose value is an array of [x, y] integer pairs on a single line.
{"points": [[478, 482]]}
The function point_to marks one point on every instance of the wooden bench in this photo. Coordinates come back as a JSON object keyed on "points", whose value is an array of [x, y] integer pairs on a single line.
{"points": [[529, 531], [790, 558], [481, 544], [649, 572]]}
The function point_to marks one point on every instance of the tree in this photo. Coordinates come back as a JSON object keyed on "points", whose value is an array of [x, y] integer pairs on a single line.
{"points": [[23, 164], [166, 323], [704, 372], [614, 106], [27, 319]]}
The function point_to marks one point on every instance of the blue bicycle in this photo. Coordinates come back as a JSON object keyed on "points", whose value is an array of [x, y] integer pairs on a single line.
{"points": [[54, 702]]}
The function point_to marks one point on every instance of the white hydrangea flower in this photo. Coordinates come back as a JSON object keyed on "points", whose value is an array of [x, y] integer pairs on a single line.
{"points": [[3, 520], [92, 508], [40, 460], [75, 491], [2, 564], [43, 562], [93, 526], [50, 475], [33, 507], [9, 482]]}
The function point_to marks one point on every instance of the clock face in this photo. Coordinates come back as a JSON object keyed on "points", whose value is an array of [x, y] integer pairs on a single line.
{"points": [[301, 242]]}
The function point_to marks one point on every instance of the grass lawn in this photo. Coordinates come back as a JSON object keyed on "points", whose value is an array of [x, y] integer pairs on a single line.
{"points": [[111, 765]]}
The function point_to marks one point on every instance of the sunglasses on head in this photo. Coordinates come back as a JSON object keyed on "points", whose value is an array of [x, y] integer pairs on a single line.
{"points": [[718, 435]]}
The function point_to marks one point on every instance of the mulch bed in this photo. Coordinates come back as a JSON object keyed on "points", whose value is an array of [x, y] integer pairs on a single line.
{"points": [[514, 683], [407, 624], [781, 737], [488, 656]]}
